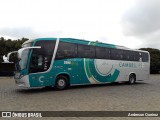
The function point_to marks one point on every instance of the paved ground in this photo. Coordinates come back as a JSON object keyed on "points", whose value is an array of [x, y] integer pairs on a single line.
{"points": [[143, 96]]}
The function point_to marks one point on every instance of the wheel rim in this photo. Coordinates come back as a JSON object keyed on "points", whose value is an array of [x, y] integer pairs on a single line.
{"points": [[61, 83]]}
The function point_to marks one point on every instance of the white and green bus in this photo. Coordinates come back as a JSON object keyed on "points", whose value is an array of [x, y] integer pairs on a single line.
{"points": [[63, 62]]}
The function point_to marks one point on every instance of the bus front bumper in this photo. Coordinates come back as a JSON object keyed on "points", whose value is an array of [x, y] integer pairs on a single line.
{"points": [[23, 82]]}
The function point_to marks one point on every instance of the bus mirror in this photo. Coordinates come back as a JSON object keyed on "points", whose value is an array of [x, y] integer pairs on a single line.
{"points": [[9, 54], [20, 51], [5, 59]]}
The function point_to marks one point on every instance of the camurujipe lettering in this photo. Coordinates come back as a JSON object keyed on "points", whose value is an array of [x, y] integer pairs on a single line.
{"points": [[130, 65]]}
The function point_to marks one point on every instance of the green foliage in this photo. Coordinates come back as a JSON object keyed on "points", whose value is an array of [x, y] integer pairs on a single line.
{"points": [[9, 45], [155, 59]]}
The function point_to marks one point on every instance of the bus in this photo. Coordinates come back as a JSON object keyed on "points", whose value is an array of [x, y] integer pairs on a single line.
{"points": [[64, 62]]}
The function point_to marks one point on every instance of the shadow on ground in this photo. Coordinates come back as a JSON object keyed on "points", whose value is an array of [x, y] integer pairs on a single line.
{"points": [[51, 89]]}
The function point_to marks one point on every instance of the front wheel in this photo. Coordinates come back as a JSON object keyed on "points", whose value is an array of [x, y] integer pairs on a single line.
{"points": [[62, 82], [132, 79]]}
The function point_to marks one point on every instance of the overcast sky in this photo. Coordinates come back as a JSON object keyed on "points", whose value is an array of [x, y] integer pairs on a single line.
{"points": [[130, 23]]}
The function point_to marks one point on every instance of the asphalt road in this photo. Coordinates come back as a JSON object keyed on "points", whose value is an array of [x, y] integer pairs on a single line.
{"points": [[143, 96]]}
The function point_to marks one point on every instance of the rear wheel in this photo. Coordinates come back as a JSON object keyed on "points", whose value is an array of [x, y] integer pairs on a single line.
{"points": [[132, 79], [62, 82]]}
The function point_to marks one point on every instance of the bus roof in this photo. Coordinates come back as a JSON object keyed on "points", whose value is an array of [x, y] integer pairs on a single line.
{"points": [[81, 41], [85, 42]]}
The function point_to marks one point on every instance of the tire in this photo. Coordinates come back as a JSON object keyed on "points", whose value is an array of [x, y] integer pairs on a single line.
{"points": [[132, 79], [62, 82]]}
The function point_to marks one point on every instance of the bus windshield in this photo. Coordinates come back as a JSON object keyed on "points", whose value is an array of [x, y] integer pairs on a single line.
{"points": [[22, 64], [24, 59]]}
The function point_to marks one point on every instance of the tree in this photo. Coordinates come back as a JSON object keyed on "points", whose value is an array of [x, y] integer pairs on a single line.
{"points": [[155, 59], [9, 45]]}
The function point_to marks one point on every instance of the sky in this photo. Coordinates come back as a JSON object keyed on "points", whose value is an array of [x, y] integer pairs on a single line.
{"points": [[131, 23]]}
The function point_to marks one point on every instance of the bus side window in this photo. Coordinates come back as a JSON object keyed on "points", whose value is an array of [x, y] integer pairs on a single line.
{"points": [[131, 56], [108, 55], [66, 50], [140, 59], [116, 54], [128, 55], [136, 56], [86, 51], [145, 57], [102, 53]]}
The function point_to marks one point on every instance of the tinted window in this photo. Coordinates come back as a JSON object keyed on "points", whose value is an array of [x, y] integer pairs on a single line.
{"points": [[41, 58], [66, 50], [86, 51], [137, 56], [47, 47], [116, 54], [145, 57], [102, 53], [128, 55]]}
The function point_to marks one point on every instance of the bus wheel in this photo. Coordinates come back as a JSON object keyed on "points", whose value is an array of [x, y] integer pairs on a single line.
{"points": [[62, 82], [132, 79]]}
